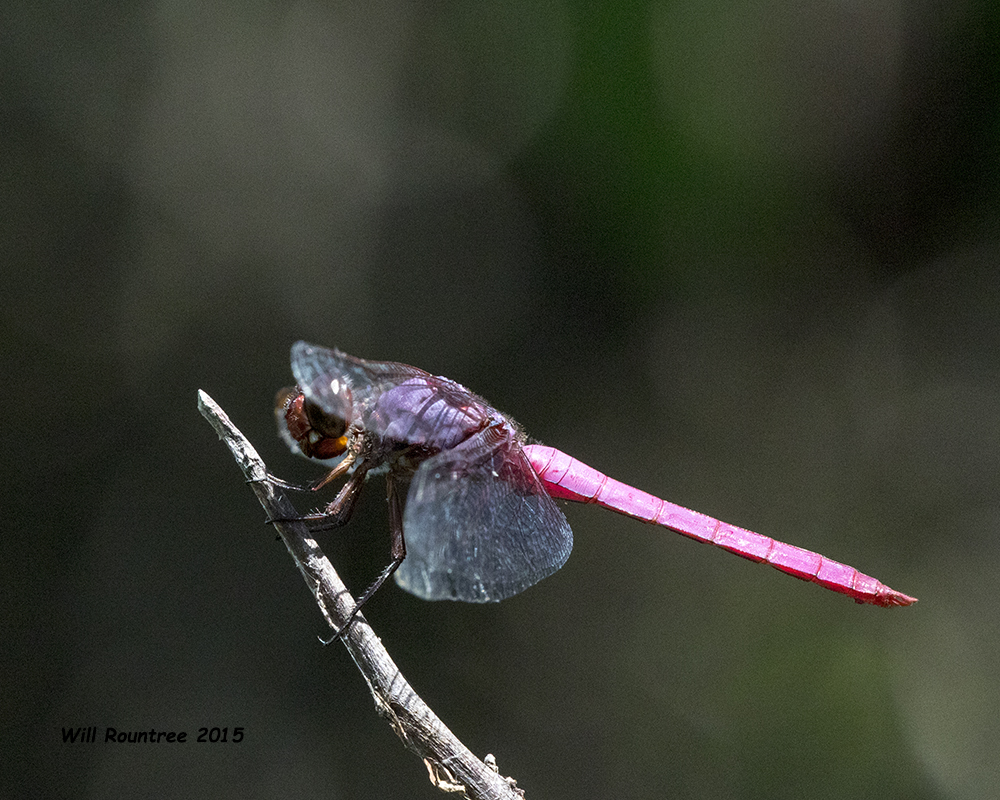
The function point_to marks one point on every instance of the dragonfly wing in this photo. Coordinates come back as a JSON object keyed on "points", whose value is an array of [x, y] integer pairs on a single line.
{"points": [[478, 524], [322, 372]]}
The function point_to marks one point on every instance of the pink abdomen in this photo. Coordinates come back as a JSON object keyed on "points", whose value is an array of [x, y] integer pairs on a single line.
{"points": [[566, 478]]}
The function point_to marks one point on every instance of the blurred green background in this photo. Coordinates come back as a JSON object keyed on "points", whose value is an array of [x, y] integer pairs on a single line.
{"points": [[743, 255]]}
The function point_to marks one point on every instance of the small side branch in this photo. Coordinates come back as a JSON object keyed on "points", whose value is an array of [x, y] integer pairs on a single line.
{"points": [[451, 765]]}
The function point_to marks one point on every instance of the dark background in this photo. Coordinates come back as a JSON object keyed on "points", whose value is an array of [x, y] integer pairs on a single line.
{"points": [[743, 256]]}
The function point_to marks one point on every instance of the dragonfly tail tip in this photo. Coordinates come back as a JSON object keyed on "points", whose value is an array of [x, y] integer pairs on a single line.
{"points": [[887, 598]]}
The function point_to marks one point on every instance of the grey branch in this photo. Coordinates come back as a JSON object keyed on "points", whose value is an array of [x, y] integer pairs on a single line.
{"points": [[451, 765]]}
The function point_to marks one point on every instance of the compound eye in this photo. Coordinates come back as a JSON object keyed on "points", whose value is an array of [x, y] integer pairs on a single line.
{"points": [[307, 428], [291, 417], [332, 426]]}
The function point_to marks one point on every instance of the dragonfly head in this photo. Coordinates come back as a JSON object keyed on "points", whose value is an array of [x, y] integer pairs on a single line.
{"points": [[307, 428]]}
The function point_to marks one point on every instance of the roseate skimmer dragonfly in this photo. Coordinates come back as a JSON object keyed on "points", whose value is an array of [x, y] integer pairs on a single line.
{"points": [[480, 522]]}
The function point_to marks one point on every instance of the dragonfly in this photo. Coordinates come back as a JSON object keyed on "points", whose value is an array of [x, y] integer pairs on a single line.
{"points": [[480, 522]]}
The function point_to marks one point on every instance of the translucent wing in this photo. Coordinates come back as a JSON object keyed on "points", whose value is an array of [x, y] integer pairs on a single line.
{"points": [[321, 372], [478, 524]]}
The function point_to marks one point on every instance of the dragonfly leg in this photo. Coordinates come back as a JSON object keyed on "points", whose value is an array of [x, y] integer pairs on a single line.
{"points": [[283, 484], [397, 550], [312, 486], [338, 512]]}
